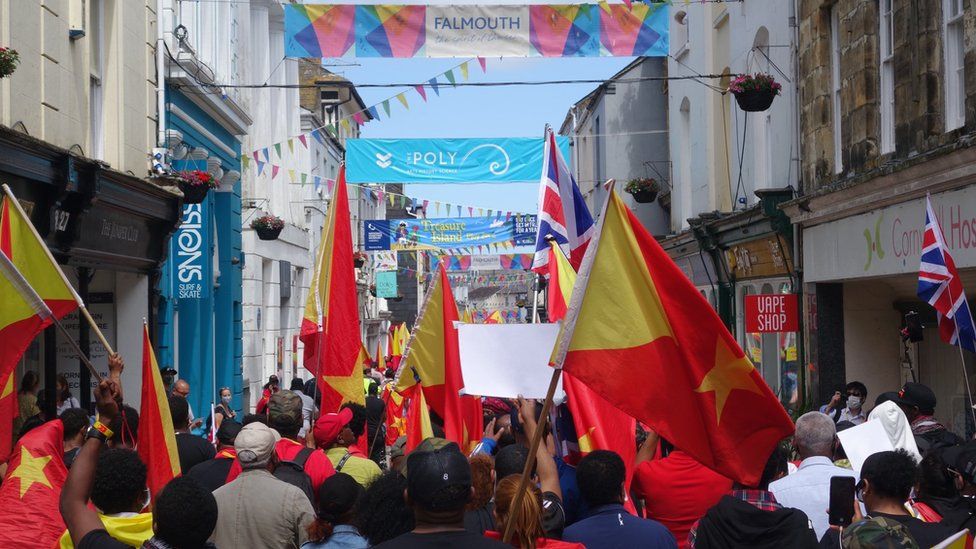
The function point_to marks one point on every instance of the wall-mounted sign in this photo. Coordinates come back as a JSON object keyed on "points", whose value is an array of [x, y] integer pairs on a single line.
{"points": [[581, 30], [102, 308], [447, 233], [386, 284], [475, 160], [760, 258], [771, 313], [192, 254]]}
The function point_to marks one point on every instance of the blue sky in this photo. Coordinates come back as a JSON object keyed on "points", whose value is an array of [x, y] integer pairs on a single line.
{"points": [[509, 111]]}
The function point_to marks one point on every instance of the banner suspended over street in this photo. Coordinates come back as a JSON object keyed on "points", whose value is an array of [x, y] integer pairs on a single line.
{"points": [[483, 262], [448, 233], [474, 160], [581, 30]]}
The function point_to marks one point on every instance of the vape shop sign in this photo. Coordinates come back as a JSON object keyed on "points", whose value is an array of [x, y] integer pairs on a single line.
{"points": [[771, 313]]}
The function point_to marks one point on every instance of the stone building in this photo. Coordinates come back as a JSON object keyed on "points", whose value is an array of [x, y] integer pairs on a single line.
{"points": [[887, 100]]}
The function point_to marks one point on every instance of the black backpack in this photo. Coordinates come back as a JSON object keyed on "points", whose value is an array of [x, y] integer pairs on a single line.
{"points": [[293, 472]]}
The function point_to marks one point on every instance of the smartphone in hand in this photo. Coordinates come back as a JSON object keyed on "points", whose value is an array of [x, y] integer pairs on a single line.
{"points": [[841, 511]]}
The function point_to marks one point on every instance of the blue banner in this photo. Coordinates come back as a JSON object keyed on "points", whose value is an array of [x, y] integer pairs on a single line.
{"points": [[476, 160], [448, 233]]}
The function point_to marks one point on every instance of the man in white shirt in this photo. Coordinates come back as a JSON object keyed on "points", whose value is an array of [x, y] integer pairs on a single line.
{"points": [[308, 406], [808, 489], [857, 394]]}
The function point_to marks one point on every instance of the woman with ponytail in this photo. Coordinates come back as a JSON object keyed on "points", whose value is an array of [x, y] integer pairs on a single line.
{"points": [[333, 526], [527, 532]]}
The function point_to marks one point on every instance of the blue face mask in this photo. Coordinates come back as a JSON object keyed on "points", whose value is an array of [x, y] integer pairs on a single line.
{"points": [[226, 399]]}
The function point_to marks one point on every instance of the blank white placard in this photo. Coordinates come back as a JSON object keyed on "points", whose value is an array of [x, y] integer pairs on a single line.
{"points": [[507, 360], [862, 440]]}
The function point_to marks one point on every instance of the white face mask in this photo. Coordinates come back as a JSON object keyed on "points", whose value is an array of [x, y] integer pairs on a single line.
{"points": [[854, 402]]}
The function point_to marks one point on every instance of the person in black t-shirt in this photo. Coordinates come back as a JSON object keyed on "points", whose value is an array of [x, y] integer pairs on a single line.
{"points": [[375, 424], [184, 513], [76, 424], [212, 474], [438, 488], [191, 448]]}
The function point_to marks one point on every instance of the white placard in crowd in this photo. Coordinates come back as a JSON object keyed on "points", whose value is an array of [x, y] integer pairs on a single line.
{"points": [[507, 360], [862, 440]]}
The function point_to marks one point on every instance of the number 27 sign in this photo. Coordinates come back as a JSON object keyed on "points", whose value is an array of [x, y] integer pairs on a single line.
{"points": [[771, 313]]}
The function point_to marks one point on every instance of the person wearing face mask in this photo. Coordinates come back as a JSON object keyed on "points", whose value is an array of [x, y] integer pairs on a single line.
{"points": [[119, 494], [856, 395], [223, 409]]}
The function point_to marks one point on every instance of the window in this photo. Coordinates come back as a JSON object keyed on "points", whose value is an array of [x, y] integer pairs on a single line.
{"points": [[96, 62], [887, 77], [679, 34], [685, 210], [762, 157], [597, 152], [955, 82], [835, 88]]}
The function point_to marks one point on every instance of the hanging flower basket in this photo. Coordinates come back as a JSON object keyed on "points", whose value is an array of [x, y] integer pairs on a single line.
{"points": [[268, 227], [195, 185], [358, 260], [9, 58], [754, 92], [643, 189]]}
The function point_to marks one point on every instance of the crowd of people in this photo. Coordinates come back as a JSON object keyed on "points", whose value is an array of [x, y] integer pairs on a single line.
{"points": [[288, 476]]}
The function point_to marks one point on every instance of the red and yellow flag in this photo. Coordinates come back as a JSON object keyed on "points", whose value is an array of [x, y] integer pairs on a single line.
{"points": [[435, 359], [395, 425], [157, 438], [29, 515], [640, 318], [599, 424], [33, 293], [562, 277], [330, 327], [380, 357], [495, 318], [418, 419]]}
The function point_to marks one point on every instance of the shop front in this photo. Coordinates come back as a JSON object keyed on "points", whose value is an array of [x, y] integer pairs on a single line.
{"points": [[109, 231], [863, 269], [200, 314]]}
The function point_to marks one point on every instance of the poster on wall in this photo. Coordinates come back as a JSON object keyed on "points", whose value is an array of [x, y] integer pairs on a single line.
{"points": [[447, 233], [102, 308], [540, 30], [386, 284], [461, 160]]}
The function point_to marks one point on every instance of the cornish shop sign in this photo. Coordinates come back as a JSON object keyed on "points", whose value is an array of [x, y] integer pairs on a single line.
{"points": [[888, 241], [477, 160]]}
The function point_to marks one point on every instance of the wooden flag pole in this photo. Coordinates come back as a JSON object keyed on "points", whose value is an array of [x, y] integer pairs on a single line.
{"points": [[533, 448], [50, 256]]}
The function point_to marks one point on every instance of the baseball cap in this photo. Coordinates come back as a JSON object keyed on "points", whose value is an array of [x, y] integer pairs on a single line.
{"points": [[399, 447], [918, 395], [228, 431], [255, 444], [877, 533], [328, 426], [962, 459], [285, 407], [439, 480]]}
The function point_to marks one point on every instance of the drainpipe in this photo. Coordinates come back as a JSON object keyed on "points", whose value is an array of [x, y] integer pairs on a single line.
{"points": [[160, 78]]}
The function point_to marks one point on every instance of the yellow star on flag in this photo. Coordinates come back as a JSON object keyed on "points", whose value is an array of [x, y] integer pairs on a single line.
{"points": [[586, 441], [30, 470], [729, 373], [350, 387], [8, 388]]}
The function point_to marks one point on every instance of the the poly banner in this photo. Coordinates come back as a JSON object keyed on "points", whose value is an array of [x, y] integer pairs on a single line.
{"points": [[386, 284], [447, 233], [575, 30], [474, 160]]}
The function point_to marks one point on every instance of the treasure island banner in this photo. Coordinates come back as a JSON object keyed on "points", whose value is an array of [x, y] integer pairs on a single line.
{"points": [[580, 30], [449, 233]]}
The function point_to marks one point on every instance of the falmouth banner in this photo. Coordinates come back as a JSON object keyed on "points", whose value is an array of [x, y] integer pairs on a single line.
{"points": [[472, 160], [580, 30], [448, 233]]}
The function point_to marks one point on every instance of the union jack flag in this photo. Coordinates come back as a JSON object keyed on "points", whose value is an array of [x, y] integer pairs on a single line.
{"points": [[940, 286], [562, 212]]}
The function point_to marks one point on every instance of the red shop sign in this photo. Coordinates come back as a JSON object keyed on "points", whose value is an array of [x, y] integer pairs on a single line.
{"points": [[771, 313]]}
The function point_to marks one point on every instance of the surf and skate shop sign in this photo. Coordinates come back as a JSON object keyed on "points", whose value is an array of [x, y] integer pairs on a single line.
{"points": [[192, 254]]}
